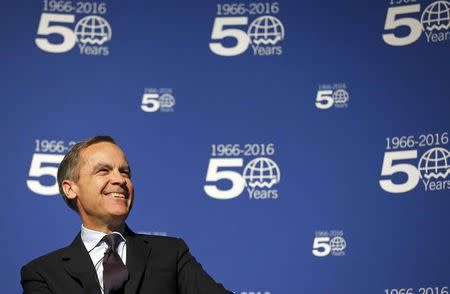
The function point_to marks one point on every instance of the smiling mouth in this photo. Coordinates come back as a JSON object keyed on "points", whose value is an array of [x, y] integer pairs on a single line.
{"points": [[117, 195]]}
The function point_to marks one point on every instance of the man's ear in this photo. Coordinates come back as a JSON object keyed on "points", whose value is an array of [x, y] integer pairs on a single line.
{"points": [[70, 189]]}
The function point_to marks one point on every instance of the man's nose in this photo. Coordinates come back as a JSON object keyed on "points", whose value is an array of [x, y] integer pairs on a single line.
{"points": [[117, 178]]}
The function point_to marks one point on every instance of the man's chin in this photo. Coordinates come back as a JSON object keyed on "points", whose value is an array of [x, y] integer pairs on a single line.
{"points": [[119, 213], [116, 219]]}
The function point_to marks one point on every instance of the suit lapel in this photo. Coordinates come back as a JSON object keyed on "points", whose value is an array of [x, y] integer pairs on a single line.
{"points": [[138, 252], [78, 264]]}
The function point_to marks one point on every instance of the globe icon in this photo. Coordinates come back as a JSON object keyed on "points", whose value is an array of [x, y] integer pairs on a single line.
{"points": [[338, 244], [262, 172], [436, 16], [435, 163], [340, 96], [266, 30], [93, 29], [166, 100]]}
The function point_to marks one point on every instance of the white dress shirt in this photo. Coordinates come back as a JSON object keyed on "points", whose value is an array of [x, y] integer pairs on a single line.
{"points": [[96, 248]]}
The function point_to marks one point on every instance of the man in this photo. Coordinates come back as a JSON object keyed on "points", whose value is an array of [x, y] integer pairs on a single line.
{"points": [[106, 256]]}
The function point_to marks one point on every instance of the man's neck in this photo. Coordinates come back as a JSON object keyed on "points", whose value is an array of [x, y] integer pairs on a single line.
{"points": [[107, 229]]}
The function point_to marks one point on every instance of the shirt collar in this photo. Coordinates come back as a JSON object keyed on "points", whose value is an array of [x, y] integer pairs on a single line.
{"points": [[92, 238]]}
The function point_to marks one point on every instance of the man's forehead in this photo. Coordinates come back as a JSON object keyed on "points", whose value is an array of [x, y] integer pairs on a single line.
{"points": [[102, 153], [102, 147]]}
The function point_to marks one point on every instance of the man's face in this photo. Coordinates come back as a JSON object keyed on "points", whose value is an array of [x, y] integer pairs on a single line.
{"points": [[104, 189]]}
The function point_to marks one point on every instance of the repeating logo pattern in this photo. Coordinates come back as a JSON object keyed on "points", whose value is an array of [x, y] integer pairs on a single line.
{"points": [[329, 242], [161, 99], [434, 22], [94, 30], [44, 166], [432, 168], [429, 289], [264, 34], [330, 95], [91, 32], [260, 176]]}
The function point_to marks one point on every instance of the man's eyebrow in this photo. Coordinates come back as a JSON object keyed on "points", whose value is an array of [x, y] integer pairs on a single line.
{"points": [[107, 166], [102, 165], [125, 168]]}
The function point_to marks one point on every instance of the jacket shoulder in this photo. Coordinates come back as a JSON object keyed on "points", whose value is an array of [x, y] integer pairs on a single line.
{"points": [[163, 241], [157, 239], [47, 259]]}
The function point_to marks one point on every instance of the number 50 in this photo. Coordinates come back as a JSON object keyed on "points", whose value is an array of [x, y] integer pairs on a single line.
{"points": [[321, 246], [415, 27], [214, 175], [389, 168], [219, 33], [38, 170], [324, 99], [45, 29]]}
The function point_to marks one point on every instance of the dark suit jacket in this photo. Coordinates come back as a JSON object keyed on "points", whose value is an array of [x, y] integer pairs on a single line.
{"points": [[158, 265]]}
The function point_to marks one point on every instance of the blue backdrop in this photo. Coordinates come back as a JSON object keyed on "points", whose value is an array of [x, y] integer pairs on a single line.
{"points": [[297, 147]]}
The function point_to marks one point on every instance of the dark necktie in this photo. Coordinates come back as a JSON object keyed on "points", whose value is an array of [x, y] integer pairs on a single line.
{"points": [[115, 273]]}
